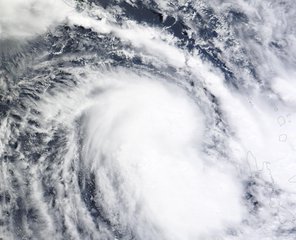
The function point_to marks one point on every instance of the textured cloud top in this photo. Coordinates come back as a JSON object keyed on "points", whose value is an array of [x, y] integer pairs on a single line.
{"points": [[24, 19]]}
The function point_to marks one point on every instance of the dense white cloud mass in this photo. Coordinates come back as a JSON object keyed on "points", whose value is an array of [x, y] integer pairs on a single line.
{"points": [[146, 134], [22, 19]]}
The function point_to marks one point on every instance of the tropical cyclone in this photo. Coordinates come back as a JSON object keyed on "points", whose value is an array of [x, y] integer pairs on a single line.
{"points": [[147, 120]]}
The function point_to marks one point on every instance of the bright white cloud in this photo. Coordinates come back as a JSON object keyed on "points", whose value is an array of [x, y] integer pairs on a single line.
{"points": [[22, 19], [147, 134]]}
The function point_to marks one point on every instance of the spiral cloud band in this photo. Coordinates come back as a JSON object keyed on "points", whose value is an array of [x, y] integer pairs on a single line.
{"points": [[147, 120]]}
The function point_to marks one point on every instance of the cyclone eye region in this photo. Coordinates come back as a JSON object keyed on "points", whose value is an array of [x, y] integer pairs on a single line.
{"points": [[142, 142]]}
